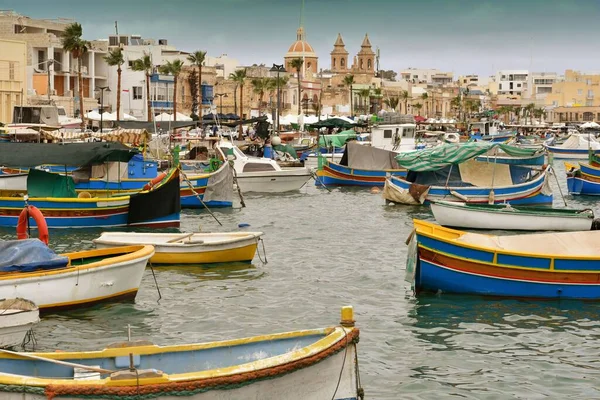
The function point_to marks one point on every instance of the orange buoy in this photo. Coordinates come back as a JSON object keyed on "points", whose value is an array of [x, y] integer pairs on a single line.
{"points": [[158, 179], [375, 190], [40, 221]]}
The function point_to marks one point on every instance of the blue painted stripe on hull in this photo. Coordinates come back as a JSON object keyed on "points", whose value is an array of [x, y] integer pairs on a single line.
{"points": [[86, 222], [434, 277], [586, 169], [527, 262], [328, 180], [582, 186], [193, 202]]}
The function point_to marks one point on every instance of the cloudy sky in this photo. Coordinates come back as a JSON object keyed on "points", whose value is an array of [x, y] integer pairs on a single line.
{"points": [[462, 36]]}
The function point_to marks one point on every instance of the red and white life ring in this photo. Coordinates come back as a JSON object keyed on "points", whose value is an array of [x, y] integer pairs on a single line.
{"points": [[158, 179], [38, 217]]}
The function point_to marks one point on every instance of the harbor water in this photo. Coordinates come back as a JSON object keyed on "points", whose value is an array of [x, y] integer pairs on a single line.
{"points": [[326, 250]]}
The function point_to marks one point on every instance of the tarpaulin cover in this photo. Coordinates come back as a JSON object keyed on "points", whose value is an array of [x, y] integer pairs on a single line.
{"points": [[448, 154], [29, 255], [73, 154], [46, 184], [161, 202], [337, 140], [286, 148], [360, 156]]}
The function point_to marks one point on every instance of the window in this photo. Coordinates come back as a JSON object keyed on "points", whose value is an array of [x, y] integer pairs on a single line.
{"points": [[589, 103], [361, 64], [500, 87], [588, 116], [11, 71], [41, 60], [590, 94], [137, 93], [258, 167], [369, 65], [555, 103], [343, 63], [579, 92], [333, 62], [518, 85], [387, 134], [130, 63], [588, 81]]}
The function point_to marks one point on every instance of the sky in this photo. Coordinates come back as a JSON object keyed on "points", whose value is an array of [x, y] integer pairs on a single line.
{"points": [[459, 36]]}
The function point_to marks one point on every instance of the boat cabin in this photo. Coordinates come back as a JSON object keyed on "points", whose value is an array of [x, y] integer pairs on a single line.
{"points": [[486, 127], [394, 137], [36, 116]]}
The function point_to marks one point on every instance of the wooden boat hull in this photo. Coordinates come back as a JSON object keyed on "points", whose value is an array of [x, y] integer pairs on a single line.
{"points": [[533, 192], [340, 175], [286, 180], [79, 213], [443, 263], [215, 248], [305, 365], [569, 154], [580, 185], [117, 275], [16, 319], [459, 215], [16, 181]]}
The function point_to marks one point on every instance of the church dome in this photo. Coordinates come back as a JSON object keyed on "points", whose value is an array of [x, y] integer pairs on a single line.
{"points": [[300, 48]]}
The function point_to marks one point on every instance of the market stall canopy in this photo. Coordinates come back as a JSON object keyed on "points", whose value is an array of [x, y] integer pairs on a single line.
{"points": [[443, 156], [76, 154], [93, 115], [590, 125], [149, 126], [130, 136]]}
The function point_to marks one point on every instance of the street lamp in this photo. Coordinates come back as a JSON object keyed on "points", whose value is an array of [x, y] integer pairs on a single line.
{"points": [[278, 69], [221, 95], [101, 89]]}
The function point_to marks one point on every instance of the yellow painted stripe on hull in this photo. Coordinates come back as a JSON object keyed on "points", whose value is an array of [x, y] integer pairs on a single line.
{"points": [[245, 253]]}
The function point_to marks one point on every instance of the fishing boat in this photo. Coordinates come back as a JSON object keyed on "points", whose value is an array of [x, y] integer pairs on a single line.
{"points": [[449, 172], [507, 217], [557, 265], [360, 166], [537, 158], [17, 317], [53, 281], [263, 175], [577, 146], [584, 178], [188, 248], [55, 195], [311, 364]]}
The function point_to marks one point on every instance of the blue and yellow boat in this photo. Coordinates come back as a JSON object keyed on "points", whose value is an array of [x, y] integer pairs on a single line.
{"points": [[585, 177], [563, 265], [303, 365], [361, 165]]}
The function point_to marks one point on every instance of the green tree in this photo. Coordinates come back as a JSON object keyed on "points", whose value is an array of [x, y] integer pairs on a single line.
{"points": [[197, 58], [173, 68], [297, 64], [404, 96], [425, 98], [364, 94], [418, 106], [529, 112], [392, 102], [260, 86], [72, 41], [144, 64], [239, 76], [349, 81], [115, 57]]}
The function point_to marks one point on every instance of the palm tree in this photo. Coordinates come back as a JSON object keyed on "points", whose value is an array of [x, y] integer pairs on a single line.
{"points": [[197, 58], [392, 102], [364, 94], [539, 113], [174, 68], [425, 97], [456, 103], [349, 81], [271, 86], [115, 57], [260, 86], [404, 96], [239, 76], [144, 64], [297, 64], [72, 42], [529, 112], [418, 106]]}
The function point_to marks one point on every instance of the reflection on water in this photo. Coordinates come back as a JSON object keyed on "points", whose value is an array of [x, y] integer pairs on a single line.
{"points": [[327, 250]]}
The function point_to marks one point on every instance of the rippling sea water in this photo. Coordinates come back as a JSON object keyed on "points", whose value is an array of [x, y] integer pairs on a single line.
{"points": [[326, 250]]}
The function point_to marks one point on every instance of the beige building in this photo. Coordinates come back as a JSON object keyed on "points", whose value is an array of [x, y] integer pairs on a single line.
{"points": [[51, 71], [13, 82], [575, 99]]}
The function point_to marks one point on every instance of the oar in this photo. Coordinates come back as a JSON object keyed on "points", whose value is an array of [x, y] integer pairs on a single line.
{"points": [[65, 363], [179, 238], [185, 178]]}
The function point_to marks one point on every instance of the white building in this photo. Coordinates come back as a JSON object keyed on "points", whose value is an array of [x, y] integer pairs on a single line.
{"points": [[423, 75], [539, 84], [223, 64], [512, 82], [133, 83]]}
